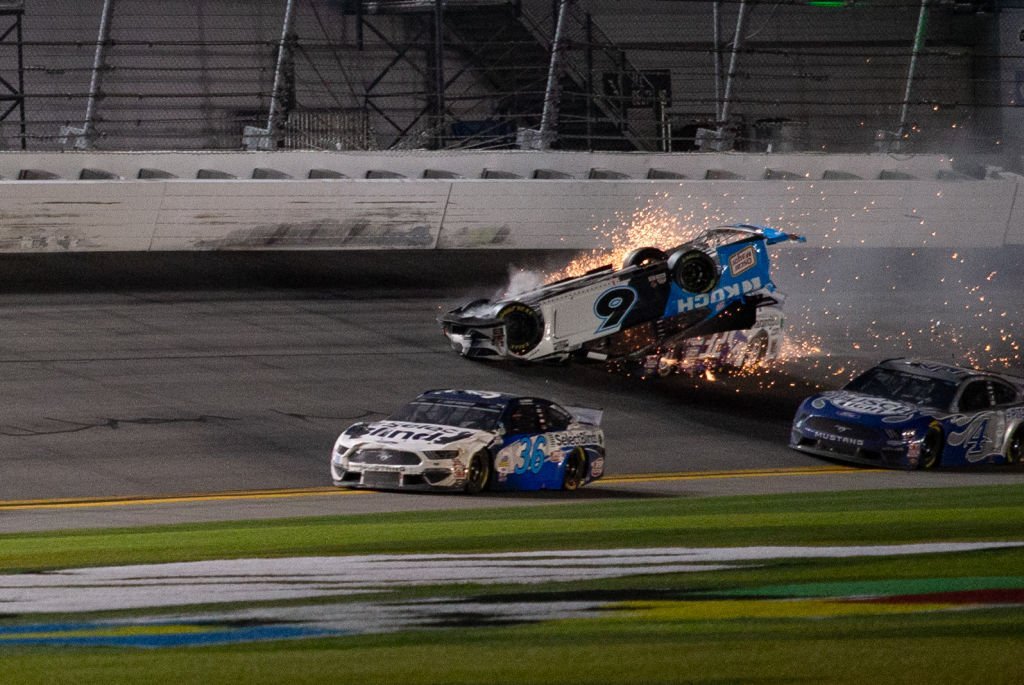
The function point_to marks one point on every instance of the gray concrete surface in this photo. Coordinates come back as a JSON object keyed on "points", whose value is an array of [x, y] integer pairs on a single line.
{"points": [[148, 392]]}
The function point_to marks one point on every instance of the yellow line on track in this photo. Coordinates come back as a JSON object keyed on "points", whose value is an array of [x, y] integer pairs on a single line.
{"points": [[291, 493], [175, 499], [748, 473]]}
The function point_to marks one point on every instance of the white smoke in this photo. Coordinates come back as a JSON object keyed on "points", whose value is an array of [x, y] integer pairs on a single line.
{"points": [[520, 281]]}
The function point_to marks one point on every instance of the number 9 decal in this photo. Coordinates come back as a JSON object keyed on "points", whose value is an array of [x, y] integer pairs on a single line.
{"points": [[612, 306]]}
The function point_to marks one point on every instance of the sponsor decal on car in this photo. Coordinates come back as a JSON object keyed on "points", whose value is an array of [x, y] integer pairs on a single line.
{"points": [[575, 438], [863, 404], [439, 435], [744, 260], [718, 295]]}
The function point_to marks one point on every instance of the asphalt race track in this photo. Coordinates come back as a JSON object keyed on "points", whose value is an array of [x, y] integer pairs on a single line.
{"points": [[130, 403]]}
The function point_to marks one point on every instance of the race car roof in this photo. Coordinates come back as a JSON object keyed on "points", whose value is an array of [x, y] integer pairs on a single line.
{"points": [[474, 397], [933, 369]]}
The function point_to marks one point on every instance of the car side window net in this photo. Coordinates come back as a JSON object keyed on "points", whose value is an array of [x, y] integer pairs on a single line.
{"points": [[524, 419], [1003, 393], [975, 396]]}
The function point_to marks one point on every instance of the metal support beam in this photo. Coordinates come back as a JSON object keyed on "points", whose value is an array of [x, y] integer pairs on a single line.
{"points": [[737, 41], [83, 138], [274, 122], [551, 92], [439, 84], [902, 131], [11, 93], [716, 33]]}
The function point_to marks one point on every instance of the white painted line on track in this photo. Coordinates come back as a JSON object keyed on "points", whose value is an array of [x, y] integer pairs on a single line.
{"points": [[261, 580]]}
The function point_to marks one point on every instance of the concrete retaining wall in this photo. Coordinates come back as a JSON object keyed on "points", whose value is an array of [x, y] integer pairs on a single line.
{"points": [[923, 202]]}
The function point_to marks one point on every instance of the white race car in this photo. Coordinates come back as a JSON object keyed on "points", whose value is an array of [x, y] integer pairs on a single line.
{"points": [[471, 440], [711, 284]]}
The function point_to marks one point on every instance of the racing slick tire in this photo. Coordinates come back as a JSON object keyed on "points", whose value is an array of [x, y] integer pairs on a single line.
{"points": [[478, 473], [643, 256], [524, 327], [575, 470], [1015, 450], [931, 448], [693, 270]]}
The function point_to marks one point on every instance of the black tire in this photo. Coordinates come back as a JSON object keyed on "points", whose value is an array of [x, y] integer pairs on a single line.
{"points": [[931, 448], [524, 327], [575, 470], [642, 256], [693, 270], [1015, 450], [479, 473]]}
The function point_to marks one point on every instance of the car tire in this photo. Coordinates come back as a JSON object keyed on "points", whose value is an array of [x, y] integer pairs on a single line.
{"points": [[1015, 450], [524, 327], [643, 256], [693, 270], [575, 470], [931, 448], [478, 473]]}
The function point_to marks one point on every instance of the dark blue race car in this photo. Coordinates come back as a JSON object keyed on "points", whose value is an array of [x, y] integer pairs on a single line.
{"points": [[914, 414], [472, 440]]}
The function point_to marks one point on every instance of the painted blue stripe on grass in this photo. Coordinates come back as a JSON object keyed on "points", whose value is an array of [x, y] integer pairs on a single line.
{"points": [[184, 639]]}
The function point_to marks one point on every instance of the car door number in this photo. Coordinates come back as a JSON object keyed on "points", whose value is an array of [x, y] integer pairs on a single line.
{"points": [[532, 455], [612, 306]]}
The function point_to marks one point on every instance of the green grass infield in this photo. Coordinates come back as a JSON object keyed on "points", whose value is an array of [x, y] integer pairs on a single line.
{"points": [[935, 618]]}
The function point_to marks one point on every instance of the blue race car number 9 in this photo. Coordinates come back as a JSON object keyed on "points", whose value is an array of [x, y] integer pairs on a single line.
{"points": [[612, 306]]}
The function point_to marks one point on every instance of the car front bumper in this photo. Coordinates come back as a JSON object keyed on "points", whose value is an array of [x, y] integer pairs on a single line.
{"points": [[445, 475], [888, 455]]}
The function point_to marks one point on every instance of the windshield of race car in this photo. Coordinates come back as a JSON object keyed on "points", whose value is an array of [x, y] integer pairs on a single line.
{"points": [[907, 387], [443, 413]]}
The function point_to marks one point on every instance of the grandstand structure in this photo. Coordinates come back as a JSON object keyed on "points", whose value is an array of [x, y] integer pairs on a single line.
{"points": [[647, 75]]}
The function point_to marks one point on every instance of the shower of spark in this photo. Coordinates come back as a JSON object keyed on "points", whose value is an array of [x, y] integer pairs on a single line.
{"points": [[653, 225], [850, 322]]}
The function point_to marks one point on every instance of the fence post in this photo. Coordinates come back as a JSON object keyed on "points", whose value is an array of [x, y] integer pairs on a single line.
{"points": [[550, 112]]}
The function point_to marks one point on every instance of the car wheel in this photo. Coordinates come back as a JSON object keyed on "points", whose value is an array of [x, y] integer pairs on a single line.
{"points": [[575, 470], [642, 256], [693, 271], [931, 447], [479, 473], [1015, 450], [524, 327]]}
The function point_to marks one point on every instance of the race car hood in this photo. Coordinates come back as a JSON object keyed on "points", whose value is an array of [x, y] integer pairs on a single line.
{"points": [[479, 314], [869, 410], [413, 436]]}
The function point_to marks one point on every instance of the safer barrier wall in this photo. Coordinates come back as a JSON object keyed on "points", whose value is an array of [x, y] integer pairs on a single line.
{"points": [[458, 212]]}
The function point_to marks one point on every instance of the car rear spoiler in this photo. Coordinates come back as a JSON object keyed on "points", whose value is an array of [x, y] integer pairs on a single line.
{"points": [[587, 415], [771, 235]]}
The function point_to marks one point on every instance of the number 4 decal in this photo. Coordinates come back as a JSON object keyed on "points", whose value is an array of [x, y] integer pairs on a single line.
{"points": [[612, 306]]}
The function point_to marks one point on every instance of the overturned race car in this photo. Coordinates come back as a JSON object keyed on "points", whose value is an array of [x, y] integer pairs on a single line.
{"points": [[713, 283], [470, 440]]}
